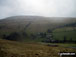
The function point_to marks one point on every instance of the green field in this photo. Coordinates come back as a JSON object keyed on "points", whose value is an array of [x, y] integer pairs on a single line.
{"points": [[61, 32]]}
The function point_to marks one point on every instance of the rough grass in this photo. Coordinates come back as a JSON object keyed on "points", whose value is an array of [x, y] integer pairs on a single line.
{"points": [[17, 49]]}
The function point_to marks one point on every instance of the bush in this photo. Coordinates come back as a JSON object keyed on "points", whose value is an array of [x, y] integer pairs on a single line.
{"points": [[13, 36]]}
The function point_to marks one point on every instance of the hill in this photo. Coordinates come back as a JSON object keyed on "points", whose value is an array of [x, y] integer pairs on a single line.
{"points": [[27, 26]]}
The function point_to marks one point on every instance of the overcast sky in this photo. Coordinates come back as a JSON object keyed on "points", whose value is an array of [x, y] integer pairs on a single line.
{"points": [[48, 8]]}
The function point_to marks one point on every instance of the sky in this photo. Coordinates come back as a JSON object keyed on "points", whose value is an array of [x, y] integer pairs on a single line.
{"points": [[47, 8]]}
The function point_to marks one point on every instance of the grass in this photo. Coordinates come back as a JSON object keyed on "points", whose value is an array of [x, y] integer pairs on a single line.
{"points": [[65, 44], [61, 32], [18, 49]]}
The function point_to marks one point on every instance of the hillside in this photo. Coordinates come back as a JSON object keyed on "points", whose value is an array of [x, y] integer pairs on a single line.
{"points": [[32, 23], [25, 26], [17, 49]]}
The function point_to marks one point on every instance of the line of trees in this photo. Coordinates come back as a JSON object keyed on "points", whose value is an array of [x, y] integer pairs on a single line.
{"points": [[15, 36], [61, 41]]}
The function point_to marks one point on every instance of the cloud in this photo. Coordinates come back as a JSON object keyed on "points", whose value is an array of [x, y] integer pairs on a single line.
{"points": [[49, 8]]}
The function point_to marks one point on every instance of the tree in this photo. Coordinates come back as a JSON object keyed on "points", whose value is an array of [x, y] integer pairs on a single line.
{"points": [[43, 35], [49, 31], [71, 40], [24, 34], [13, 36], [64, 40], [33, 36], [4, 36]]}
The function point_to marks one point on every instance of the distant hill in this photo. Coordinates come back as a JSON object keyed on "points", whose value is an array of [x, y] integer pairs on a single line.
{"points": [[32, 24]]}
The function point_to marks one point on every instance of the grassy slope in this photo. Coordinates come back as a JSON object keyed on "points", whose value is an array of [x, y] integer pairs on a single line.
{"points": [[16, 49], [38, 24]]}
